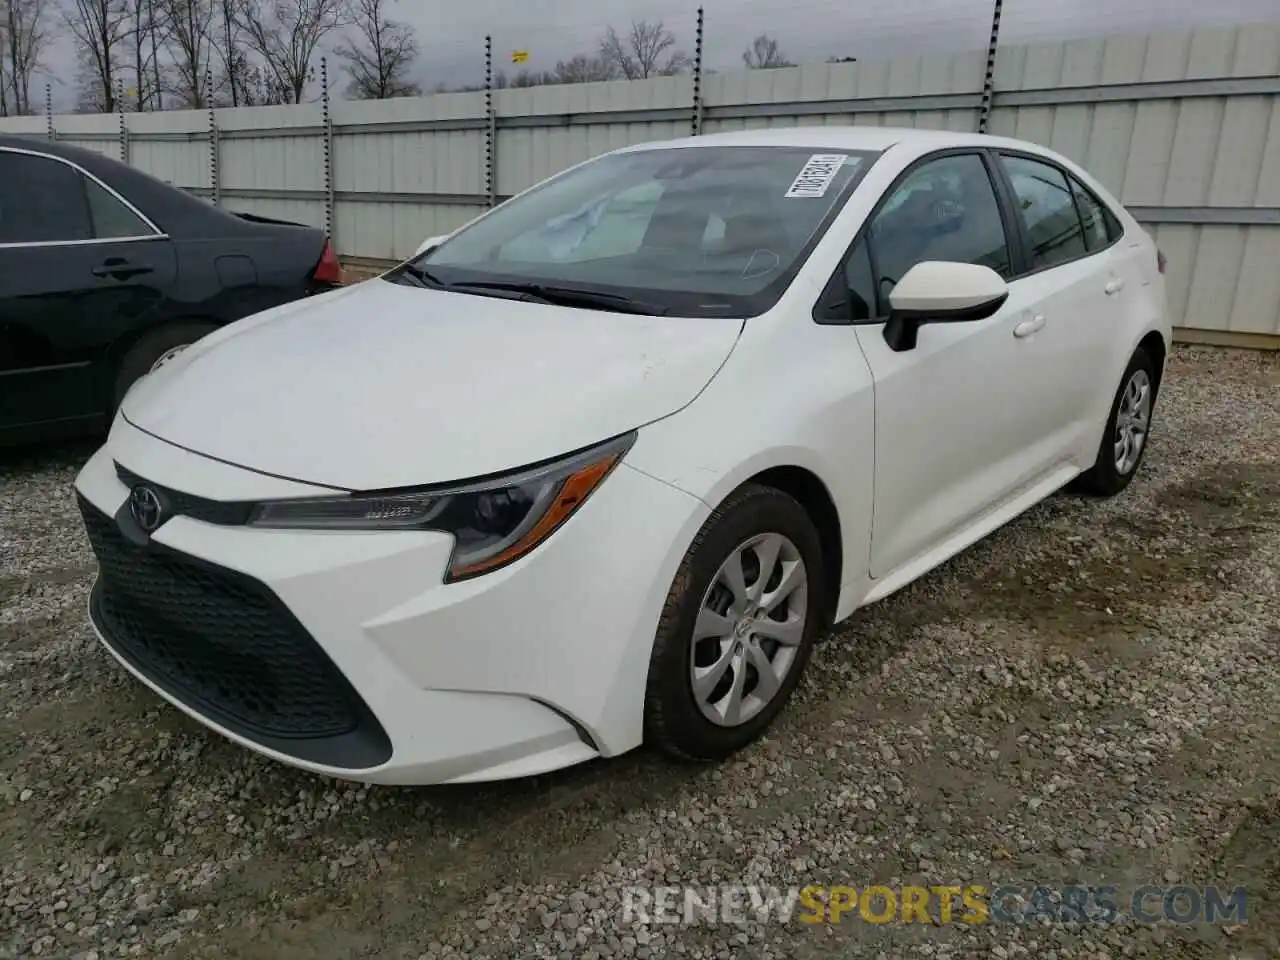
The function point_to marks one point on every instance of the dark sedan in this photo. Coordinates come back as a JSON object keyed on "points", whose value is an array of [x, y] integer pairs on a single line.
{"points": [[106, 271]]}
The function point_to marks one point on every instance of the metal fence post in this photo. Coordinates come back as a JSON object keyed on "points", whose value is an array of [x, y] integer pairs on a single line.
{"points": [[48, 111], [988, 82], [124, 127], [328, 148], [491, 127], [697, 75], [215, 177]]}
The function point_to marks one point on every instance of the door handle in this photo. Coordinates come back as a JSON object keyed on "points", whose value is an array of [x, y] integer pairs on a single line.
{"points": [[1114, 286], [121, 269], [1027, 327]]}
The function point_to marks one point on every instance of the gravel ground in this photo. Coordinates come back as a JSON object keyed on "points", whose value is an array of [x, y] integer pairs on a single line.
{"points": [[1090, 695]]}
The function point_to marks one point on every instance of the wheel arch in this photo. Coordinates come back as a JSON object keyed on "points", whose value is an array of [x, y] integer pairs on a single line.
{"points": [[1153, 343], [121, 347], [808, 489], [801, 470]]}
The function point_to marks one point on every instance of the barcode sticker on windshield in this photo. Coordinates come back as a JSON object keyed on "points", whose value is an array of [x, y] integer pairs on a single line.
{"points": [[816, 175]]}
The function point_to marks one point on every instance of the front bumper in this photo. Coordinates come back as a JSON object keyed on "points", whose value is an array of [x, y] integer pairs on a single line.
{"points": [[345, 654]]}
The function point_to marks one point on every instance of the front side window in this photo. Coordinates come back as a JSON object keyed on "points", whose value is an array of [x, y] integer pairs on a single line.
{"points": [[946, 209], [696, 231], [1048, 209], [41, 201]]}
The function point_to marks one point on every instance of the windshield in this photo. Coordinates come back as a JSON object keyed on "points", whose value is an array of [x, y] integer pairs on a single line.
{"points": [[686, 231]]}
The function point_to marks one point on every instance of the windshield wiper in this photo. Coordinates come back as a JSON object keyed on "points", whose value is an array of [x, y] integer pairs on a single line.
{"points": [[566, 296], [424, 278]]}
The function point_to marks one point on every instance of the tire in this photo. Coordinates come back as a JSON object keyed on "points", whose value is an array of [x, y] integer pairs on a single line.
{"points": [[143, 355], [674, 720], [1108, 477]]}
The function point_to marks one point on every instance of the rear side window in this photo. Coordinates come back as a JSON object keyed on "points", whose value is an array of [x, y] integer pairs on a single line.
{"points": [[1048, 210], [41, 201]]}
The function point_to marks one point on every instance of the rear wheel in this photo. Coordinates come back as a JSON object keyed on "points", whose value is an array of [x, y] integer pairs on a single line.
{"points": [[1124, 443], [738, 627], [153, 350]]}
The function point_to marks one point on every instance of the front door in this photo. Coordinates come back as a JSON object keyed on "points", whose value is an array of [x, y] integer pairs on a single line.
{"points": [[957, 429]]}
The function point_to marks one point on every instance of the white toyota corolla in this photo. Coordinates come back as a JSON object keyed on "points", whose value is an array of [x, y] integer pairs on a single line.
{"points": [[598, 467]]}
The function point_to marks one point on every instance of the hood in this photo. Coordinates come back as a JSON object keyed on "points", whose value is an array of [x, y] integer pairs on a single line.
{"points": [[381, 385]]}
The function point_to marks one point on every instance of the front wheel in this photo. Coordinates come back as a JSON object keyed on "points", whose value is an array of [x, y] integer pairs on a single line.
{"points": [[738, 626], [153, 350], [1124, 443]]}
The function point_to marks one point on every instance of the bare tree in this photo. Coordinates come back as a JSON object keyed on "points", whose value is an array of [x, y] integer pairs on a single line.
{"points": [[525, 78], [243, 81], [380, 55], [253, 84], [764, 54], [99, 28], [285, 34], [24, 36], [190, 47], [583, 69], [225, 45], [146, 24], [90, 94], [646, 51], [578, 69], [259, 87]]}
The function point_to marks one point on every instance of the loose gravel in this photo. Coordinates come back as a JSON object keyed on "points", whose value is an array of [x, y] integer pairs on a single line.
{"points": [[1090, 695]]}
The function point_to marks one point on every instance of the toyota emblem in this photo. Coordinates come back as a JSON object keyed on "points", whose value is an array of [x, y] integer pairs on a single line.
{"points": [[145, 508]]}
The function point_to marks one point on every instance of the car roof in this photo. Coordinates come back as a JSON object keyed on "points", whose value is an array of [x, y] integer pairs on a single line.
{"points": [[89, 159], [872, 139]]}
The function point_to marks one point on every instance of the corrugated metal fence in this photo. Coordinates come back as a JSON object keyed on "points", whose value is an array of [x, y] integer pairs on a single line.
{"points": [[1184, 128]]}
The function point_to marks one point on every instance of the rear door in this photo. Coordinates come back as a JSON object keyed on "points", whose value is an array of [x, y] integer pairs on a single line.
{"points": [[80, 269], [1080, 286]]}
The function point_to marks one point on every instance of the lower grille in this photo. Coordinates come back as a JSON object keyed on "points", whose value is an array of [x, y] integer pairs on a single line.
{"points": [[226, 646]]}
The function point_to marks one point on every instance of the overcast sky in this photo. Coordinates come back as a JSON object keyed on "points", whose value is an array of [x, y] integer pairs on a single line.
{"points": [[451, 35], [808, 30]]}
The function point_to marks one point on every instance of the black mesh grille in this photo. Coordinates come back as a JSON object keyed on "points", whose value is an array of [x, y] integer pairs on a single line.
{"points": [[226, 646]]}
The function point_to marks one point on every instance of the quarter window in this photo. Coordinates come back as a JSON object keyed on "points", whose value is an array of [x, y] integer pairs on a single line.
{"points": [[41, 201], [861, 283], [1100, 227], [112, 220], [1048, 210]]}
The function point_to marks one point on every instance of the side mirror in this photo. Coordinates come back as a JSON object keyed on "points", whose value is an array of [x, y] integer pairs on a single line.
{"points": [[429, 244], [936, 291]]}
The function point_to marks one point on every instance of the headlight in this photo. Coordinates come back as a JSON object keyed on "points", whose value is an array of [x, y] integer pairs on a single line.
{"points": [[494, 522]]}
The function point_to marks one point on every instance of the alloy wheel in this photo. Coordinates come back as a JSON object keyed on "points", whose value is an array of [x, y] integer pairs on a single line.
{"points": [[167, 356], [1133, 418], [749, 628]]}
